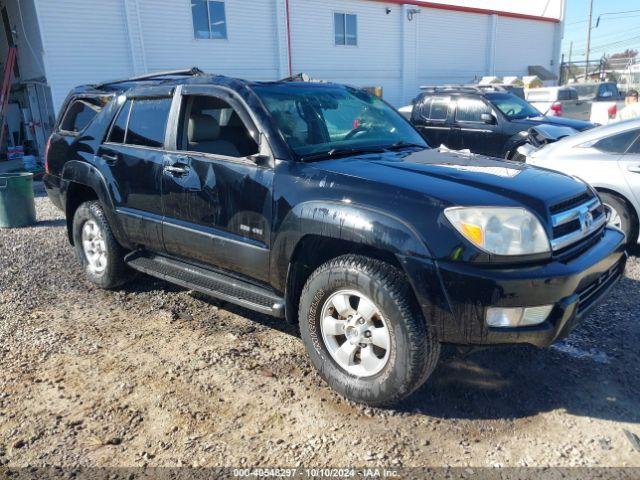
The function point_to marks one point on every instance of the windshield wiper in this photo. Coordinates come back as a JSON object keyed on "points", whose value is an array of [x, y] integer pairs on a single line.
{"points": [[339, 152], [400, 145]]}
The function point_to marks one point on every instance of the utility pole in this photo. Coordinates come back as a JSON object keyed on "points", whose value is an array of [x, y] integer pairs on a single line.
{"points": [[570, 51], [586, 68]]}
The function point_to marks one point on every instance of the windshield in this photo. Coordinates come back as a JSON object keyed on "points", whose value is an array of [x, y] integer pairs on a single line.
{"points": [[514, 108], [325, 119]]}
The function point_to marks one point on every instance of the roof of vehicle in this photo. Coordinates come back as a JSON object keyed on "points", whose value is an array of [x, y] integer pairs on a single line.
{"points": [[193, 76], [550, 89], [591, 84], [465, 89]]}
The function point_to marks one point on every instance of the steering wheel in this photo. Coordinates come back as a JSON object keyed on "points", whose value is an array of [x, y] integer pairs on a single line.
{"points": [[510, 112], [358, 130]]}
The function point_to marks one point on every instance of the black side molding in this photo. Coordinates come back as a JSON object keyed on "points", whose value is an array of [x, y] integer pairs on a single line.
{"points": [[206, 281]]}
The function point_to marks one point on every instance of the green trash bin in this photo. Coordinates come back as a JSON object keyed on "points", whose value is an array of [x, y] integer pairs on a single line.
{"points": [[17, 207]]}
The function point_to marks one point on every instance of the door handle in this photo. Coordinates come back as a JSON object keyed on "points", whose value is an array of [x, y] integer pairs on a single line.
{"points": [[634, 168], [110, 159], [176, 170]]}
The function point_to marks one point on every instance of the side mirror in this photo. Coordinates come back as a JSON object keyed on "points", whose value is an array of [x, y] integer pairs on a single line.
{"points": [[488, 118], [260, 159]]}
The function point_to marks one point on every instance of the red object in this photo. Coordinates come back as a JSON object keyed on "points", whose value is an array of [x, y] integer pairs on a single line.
{"points": [[556, 109], [46, 155], [289, 39], [356, 123], [457, 8], [613, 111], [6, 89]]}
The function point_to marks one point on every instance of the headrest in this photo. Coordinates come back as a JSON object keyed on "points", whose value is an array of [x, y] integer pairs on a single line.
{"points": [[203, 128], [235, 121]]}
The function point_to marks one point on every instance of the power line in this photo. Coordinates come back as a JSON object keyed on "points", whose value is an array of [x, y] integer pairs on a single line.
{"points": [[609, 37]]}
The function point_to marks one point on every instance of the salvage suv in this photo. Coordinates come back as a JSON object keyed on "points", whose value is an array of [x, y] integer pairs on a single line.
{"points": [[319, 203]]}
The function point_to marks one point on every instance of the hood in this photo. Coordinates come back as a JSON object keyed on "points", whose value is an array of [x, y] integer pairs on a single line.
{"points": [[455, 178], [579, 125]]}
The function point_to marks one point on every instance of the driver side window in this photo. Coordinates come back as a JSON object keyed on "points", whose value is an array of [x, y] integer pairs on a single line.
{"points": [[210, 125]]}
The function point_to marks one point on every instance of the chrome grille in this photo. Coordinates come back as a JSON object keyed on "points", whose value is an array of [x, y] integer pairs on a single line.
{"points": [[576, 223]]}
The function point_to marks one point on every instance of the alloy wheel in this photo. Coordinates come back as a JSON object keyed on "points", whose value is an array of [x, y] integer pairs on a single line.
{"points": [[355, 333], [94, 247]]}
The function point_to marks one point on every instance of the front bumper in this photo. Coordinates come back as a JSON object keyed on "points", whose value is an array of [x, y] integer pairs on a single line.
{"points": [[455, 304]]}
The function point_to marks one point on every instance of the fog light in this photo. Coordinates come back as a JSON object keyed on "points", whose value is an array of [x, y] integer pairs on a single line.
{"points": [[518, 316]]}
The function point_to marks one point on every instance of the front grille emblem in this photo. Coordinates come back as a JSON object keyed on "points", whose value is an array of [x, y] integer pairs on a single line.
{"points": [[587, 221]]}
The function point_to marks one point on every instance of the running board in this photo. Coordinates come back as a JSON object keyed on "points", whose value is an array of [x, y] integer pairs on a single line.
{"points": [[211, 283]]}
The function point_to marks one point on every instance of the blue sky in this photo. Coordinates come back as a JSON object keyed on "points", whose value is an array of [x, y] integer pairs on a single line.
{"points": [[614, 34]]}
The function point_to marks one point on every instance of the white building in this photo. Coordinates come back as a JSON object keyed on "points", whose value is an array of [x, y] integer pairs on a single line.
{"points": [[398, 45]]}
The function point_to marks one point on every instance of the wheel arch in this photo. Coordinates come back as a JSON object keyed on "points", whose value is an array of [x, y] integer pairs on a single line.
{"points": [[625, 199], [316, 232], [81, 182]]}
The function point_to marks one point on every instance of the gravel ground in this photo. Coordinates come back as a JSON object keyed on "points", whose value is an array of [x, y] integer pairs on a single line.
{"points": [[156, 375]]}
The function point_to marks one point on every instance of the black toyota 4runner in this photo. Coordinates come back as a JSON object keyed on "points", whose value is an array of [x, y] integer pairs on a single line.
{"points": [[319, 203], [487, 122]]}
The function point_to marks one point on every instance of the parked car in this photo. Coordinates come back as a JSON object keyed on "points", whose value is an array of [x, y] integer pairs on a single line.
{"points": [[484, 122], [597, 102], [607, 157], [319, 203], [555, 101]]}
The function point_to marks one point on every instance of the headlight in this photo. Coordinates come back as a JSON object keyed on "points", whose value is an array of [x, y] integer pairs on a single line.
{"points": [[500, 230]]}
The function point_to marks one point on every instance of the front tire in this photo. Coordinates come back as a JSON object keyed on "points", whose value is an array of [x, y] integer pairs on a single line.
{"points": [[97, 249], [364, 332]]}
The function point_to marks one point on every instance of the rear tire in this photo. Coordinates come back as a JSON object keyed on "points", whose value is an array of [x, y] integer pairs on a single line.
{"points": [[621, 215], [97, 249], [380, 370]]}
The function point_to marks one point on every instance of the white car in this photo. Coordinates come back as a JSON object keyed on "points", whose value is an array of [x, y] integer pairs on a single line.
{"points": [[608, 158]]}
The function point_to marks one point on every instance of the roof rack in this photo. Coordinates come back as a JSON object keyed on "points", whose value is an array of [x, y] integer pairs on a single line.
{"points": [[191, 72], [462, 88], [301, 77]]}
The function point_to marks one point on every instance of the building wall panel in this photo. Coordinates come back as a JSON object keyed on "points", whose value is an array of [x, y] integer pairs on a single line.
{"points": [[375, 61], [520, 43], [84, 42], [250, 50], [453, 47]]}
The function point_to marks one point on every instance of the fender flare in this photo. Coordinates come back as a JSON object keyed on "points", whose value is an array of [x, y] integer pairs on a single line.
{"points": [[83, 173], [342, 221]]}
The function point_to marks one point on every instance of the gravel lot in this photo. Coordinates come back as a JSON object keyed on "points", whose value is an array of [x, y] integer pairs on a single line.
{"points": [[156, 375]]}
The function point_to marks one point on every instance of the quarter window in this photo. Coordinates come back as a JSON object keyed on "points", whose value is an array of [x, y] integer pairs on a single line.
{"points": [[209, 19], [617, 143], [470, 110], [80, 113], [346, 28]]}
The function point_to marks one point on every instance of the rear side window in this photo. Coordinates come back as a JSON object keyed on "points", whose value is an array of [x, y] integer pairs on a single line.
{"points": [[567, 95], [617, 143], [80, 114], [142, 122], [435, 108], [119, 129], [539, 96]]}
